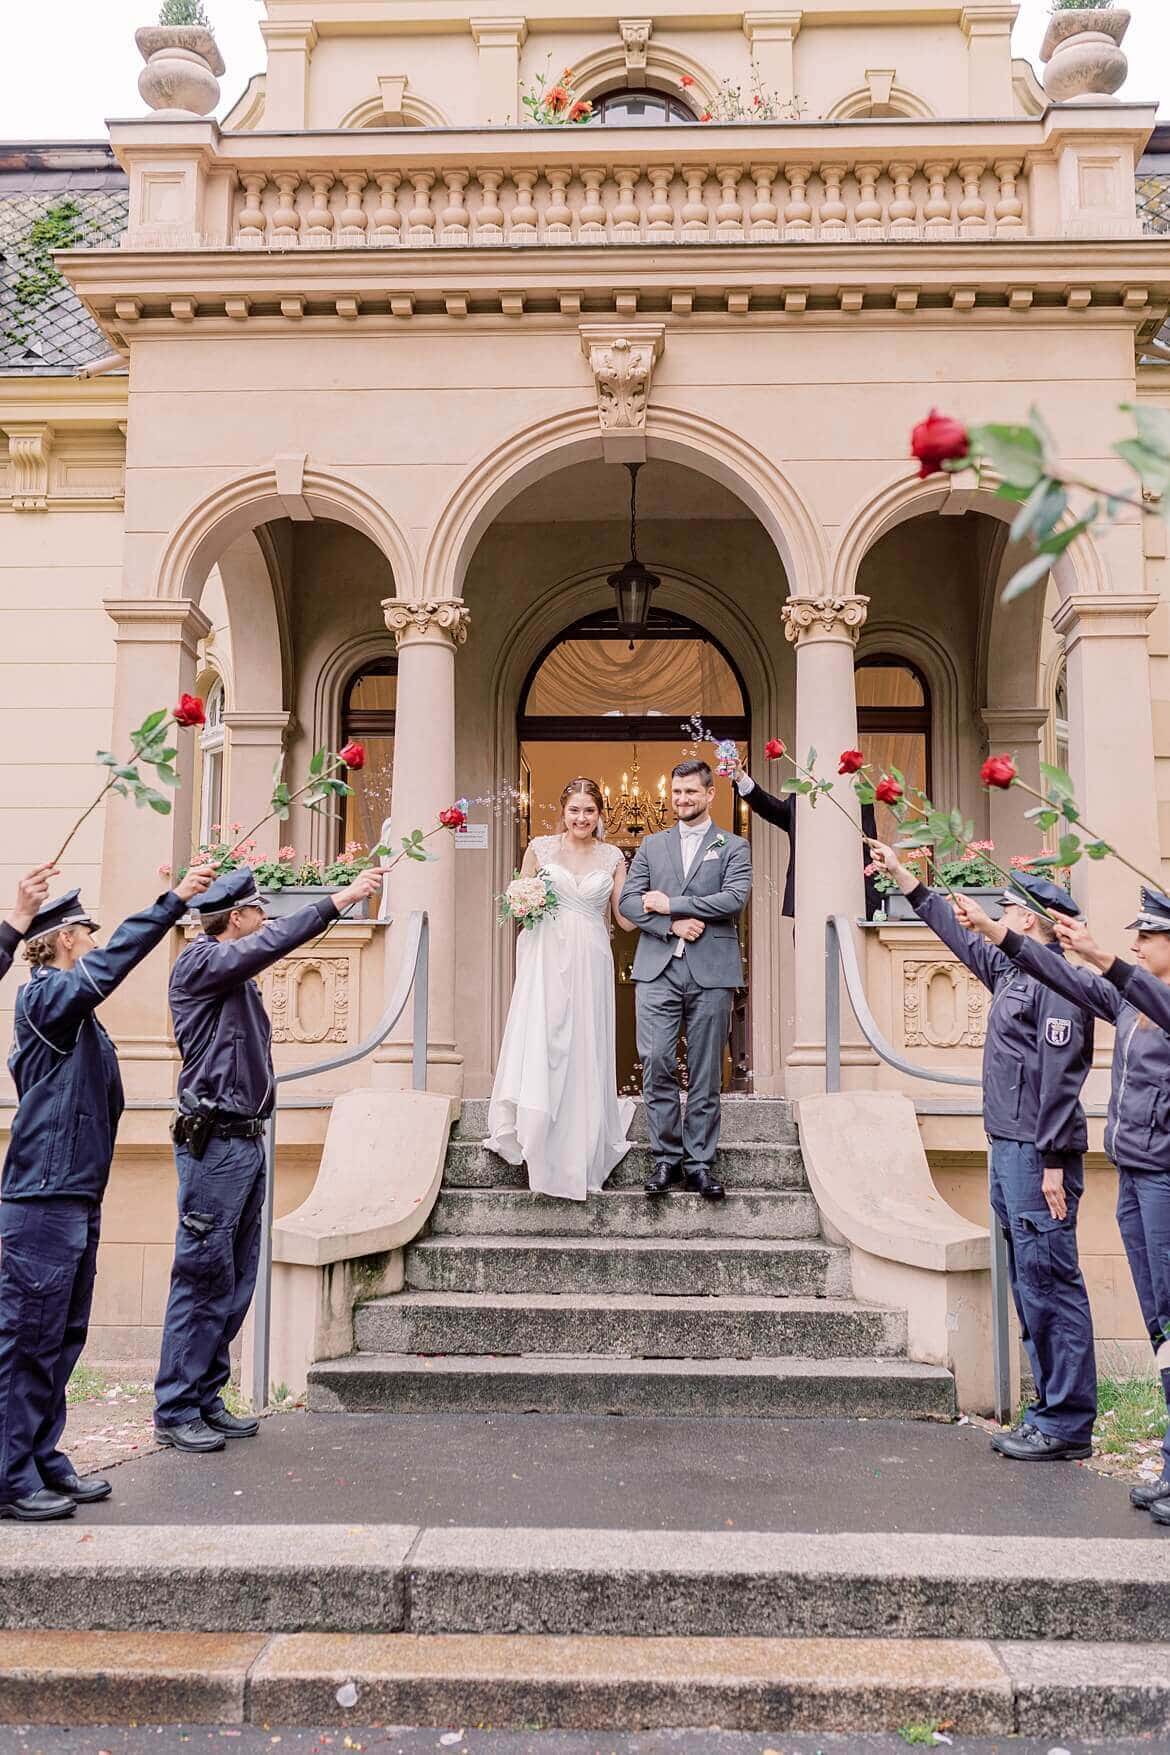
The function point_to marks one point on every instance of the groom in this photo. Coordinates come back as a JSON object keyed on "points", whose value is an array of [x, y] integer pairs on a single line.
{"points": [[686, 890]]}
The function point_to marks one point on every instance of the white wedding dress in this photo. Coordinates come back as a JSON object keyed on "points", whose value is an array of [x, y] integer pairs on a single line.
{"points": [[554, 1104]]}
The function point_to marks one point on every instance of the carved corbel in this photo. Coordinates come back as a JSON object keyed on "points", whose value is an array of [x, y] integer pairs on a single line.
{"points": [[636, 41], [393, 89], [622, 361], [30, 453]]}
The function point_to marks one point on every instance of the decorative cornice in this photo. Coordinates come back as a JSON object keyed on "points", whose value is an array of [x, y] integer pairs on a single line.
{"points": [[1106, 615], [499, 33], [157, 621], [824, 618], [446, 620]]}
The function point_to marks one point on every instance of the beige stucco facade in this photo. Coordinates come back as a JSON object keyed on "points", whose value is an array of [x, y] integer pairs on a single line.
{"points": [[374, 395]]}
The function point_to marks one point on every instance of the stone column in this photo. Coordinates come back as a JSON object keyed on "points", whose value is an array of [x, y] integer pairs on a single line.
{"points": [[156, 647], [1019, 733], [255, 744], [499, 41], [772, 36], [988, 29], [286, 83], [426, 635], [1111, 747], [829, 854]]}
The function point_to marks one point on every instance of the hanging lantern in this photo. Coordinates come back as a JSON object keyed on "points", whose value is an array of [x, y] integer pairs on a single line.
{"points": [[633, 584]]}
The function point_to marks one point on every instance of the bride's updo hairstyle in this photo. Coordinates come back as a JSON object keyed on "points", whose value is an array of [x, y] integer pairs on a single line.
{"points": [[592, 790]]}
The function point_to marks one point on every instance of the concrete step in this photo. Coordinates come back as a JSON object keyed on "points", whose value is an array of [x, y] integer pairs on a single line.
{"points": [[628, 1327], [240, 1578], [595, 1265], [821, 1685], [512, 1213], [401, 1383], [470, 1165], [746, 1121]]}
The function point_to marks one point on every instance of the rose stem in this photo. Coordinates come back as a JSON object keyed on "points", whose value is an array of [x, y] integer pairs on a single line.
{"points": [[1154, 883]]}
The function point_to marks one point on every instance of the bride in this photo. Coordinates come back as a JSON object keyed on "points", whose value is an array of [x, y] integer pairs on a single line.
{"points": [[554, 1104]]}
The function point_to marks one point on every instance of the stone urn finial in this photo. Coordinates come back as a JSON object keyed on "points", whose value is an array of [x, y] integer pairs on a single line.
{"points": [[182, 67], [1083, 53]]}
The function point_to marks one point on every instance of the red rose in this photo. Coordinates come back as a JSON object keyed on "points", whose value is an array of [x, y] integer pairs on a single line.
{"points": [[189, 711], [353, 755], [773, 749], [852, 762], [937, 440], [453, 817], [887, 791], [686, 79], [998, 771]]}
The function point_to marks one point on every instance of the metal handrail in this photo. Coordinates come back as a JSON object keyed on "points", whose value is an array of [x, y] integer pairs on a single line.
{"points": [[414, 974], [841, 963]]}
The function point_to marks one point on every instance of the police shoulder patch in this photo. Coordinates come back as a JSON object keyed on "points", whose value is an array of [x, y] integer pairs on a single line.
{"points": [[1058, 1032]]}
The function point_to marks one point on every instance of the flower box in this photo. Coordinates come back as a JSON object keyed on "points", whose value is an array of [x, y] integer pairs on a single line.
{"points": [[897, 906], [290, 898]]}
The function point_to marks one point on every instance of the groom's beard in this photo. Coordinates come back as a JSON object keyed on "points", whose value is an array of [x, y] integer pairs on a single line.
{"points": [[691, 816]]}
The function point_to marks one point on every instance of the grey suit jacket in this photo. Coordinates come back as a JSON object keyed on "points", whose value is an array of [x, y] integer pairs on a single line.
{"points": [[715, 892]]}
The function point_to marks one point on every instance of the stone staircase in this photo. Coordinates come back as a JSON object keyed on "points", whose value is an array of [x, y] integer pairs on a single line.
{"points": [[515, 1303]]}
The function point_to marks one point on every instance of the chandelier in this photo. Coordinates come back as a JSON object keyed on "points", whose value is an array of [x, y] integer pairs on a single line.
{"points": [[631, 814]]}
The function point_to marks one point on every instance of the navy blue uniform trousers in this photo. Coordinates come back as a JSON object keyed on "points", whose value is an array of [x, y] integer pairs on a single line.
{"points": [[1143, 1217], [217, 1252], [1056, 1323], [48, 1262]]}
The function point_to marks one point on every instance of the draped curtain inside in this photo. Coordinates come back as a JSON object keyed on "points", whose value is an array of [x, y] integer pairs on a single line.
{"points": [[590, 678]]}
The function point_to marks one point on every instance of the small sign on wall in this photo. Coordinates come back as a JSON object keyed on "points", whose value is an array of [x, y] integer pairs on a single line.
{"points": [[472, 839]]}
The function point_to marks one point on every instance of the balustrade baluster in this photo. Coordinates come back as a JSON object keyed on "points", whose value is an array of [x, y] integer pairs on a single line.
{"points": [[354, 220], [489, 221], [660, 212], [972, 208], [319, 219], [696, 215], [420, 220], [522, 224], [591, 223], [797, 209], [627, 215], [939, 210], [387, 219], [1009, 209], [834, 213], [868, 214], [286, 221], [558, 215], [252, 224], [455, 217], [764, 212], [729, 212], [903, 208]]}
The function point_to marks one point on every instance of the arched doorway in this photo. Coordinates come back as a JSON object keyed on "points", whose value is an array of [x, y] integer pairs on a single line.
{"points": [[623, 713]]}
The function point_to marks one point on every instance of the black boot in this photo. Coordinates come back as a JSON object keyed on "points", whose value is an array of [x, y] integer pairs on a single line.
{"points": [[1032, 1445], [662, 1178], [232, 1425], [1149, 1493], [39, 1507], [193, 1435], [82, 1492]]}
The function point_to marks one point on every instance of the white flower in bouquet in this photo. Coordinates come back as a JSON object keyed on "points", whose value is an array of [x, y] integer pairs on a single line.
{"points": [[528, 900]]}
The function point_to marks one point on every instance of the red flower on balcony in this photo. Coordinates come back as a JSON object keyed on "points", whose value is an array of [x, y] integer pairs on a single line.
{"points": [[556, 99], [686, 79], [581, 110]]}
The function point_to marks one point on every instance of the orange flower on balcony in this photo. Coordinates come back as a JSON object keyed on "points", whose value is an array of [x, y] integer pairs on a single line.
{"points": [[581, 110], [556, 99]]}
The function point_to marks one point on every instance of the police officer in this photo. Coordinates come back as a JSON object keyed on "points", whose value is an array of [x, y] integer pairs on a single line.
{"points": [[66, 1072], [226, 1090], [1137, 1132], [1036, 1057], [31, 892]]}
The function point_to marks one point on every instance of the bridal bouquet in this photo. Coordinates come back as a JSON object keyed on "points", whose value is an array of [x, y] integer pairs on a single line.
{"points": [[528, 901]]}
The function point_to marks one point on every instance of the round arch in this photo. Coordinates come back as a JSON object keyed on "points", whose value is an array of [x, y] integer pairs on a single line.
{"points": [[674, 435], [417, 112], [937, 667], [666, 68], [247, 502], [857, 106], [558, 609], [1080, 569]]}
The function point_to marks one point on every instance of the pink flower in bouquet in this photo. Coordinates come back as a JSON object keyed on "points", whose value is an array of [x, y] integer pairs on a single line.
{"points": [[937, 440]]}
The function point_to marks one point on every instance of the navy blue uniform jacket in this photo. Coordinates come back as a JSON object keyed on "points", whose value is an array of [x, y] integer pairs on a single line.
{"points": [[66, 1068], [9, 939], [1038, 1049], [221, 1026], [1137, 1131]]}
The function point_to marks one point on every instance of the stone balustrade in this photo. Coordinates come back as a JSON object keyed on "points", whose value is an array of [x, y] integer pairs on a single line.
{"points": [[1067, 174]]}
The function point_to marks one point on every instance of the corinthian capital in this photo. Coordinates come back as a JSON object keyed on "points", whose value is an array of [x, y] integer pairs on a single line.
{"points": [[824, 618], [444, 619]]}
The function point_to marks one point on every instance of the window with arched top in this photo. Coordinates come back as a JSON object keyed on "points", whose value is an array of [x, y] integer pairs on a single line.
{"points": [[367, 717], [211, 753], [1060, 737], [630, 107], [893, 724]]}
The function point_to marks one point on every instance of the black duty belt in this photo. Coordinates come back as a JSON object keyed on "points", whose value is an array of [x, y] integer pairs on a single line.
{"points": [[246, 1128]]}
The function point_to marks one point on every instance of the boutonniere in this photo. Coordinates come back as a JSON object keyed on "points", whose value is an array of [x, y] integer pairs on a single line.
{"points": [[717, 843]]}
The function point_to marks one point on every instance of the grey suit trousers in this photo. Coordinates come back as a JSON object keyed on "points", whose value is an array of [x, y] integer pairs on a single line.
{"points": [[671, 1005]]}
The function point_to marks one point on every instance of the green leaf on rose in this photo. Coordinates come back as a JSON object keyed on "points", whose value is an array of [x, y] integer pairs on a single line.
{"points": [[1030, 574], [1151, 466], [1015, 453], [317, 765], [1059, 782], [1153, 426], [1098, 849], [1069, 811], [1041, 511], [1069, 849], [107, 758]]}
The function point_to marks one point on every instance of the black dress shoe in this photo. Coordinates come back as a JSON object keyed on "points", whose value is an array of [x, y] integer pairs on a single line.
{"points": [[193, 1435], [1149, 1493], [40, 1507], [86, 1492], [662, 1178], [1032, 1445], [702, 1182], [232, 1425], [1160, 1511]]}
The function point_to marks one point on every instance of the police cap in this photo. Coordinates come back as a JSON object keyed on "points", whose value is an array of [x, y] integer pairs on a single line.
{"points": [[1155, 913], [235, 889], [65, 911], [1054, 897]]}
